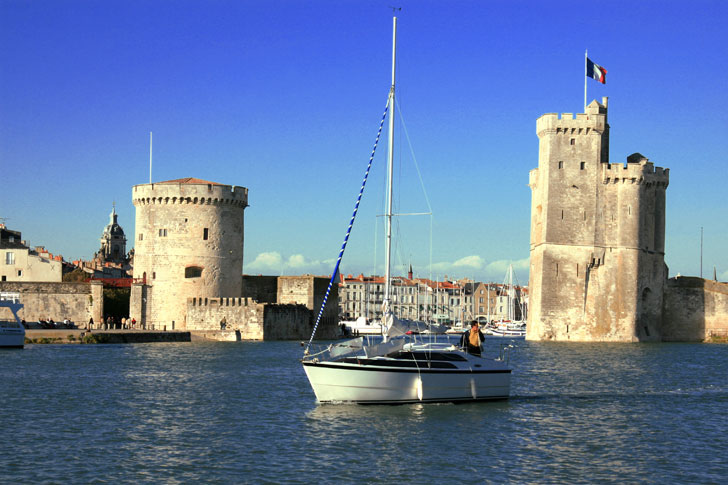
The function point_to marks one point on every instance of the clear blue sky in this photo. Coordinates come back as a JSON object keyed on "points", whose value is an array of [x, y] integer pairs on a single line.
{"points": [[284, 97]]}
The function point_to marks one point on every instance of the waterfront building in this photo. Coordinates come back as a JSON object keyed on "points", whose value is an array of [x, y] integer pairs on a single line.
{"points": [[22, 263]]}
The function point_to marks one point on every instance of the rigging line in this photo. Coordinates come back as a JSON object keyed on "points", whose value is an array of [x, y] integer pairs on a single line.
{"points": [[414, 158], [348, 229]]}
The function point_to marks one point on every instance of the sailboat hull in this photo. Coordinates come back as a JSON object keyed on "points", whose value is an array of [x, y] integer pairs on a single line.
{"points": [[334, 382]]}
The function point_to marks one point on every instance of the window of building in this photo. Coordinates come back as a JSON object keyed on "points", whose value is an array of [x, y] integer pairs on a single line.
{"points": [[141, 236], [561, 164], [573, 140], [162, 233], [193, 272], [9, 258], [480, 300], [582, 165], [20, 272], [205, 233], [154, 275], [11, 238]]}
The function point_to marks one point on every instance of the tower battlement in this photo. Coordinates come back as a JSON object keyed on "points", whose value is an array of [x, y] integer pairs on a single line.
{"points": [[642, 171], [595, 119], [190, 191]]}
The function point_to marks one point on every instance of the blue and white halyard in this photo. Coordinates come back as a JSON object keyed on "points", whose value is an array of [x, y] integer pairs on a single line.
{"points": [[400, 369]]}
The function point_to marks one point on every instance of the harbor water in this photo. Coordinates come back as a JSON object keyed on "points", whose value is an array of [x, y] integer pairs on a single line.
{"points": [[245, 413]]}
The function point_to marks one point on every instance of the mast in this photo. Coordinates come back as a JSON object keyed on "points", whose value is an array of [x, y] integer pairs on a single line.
{"points": [[390, 172]]}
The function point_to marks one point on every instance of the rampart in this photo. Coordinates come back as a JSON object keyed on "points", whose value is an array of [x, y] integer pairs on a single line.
{"points": [[694, 309], [263, 289], [77, 302], [253, 320]]}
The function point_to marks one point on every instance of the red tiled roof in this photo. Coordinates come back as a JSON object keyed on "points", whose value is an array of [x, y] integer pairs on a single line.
{"points": [[189, 180]]}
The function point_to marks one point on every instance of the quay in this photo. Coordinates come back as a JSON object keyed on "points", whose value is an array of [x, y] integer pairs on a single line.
{"points": [[81, 336]]}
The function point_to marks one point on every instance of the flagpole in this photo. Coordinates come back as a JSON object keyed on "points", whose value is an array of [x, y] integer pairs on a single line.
{"points": [[585, 63], [150, 157]]}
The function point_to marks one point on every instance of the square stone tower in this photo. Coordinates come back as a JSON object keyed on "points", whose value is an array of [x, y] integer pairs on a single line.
{"points": [[597, 236]]}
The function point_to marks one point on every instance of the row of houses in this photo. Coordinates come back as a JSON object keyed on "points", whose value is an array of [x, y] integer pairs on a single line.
{"points": [[432, 301]]}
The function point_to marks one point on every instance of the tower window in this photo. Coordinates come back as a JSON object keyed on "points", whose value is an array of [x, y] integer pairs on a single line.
{"points": [[572, 141], [582, 165], [561, 164], [193, 272], [205, 233], [141, 236], [162, 233], [154, 275]]}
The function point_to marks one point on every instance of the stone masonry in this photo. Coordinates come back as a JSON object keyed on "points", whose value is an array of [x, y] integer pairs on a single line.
{"points": [[188, 244], [597, 236], [77, 302]]}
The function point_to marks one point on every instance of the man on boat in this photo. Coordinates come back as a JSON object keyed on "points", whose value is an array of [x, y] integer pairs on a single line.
{"points": [[472, 339]]}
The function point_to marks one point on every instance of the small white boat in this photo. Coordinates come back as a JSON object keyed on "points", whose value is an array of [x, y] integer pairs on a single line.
{"points": [[350, 372], [362, 326], [12, 332], [405, 367]]}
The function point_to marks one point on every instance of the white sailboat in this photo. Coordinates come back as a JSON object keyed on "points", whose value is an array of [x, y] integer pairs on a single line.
{"points": [[510, 327], [402, 368]]}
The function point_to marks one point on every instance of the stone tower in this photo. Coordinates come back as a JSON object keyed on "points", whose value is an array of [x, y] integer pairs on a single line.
{"points": [[113, 241], [188, 243], [597, 236]]}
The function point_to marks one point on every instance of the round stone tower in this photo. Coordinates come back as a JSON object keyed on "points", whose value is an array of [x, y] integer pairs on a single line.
{"points": [[188, 243]]}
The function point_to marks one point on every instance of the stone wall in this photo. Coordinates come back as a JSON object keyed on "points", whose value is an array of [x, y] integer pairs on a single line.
{"points": [[77, 302], [253, 320], [287, 322], [243, 315], [694, 310], [263, 289]]}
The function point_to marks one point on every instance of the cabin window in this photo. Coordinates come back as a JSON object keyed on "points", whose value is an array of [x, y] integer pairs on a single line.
{"points": [[193, 272]]}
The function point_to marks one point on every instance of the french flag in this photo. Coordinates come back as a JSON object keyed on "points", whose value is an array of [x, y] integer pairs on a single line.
{"points": [[595, 71]]}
